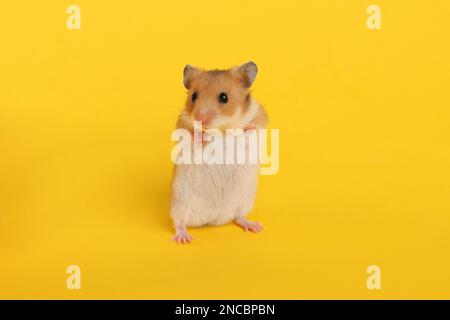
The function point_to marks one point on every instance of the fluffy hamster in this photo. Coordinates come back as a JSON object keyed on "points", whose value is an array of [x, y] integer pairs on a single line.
{"points": [[215, 194]]}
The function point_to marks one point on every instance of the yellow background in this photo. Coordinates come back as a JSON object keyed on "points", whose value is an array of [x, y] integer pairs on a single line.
{"points": [[85, 123]]}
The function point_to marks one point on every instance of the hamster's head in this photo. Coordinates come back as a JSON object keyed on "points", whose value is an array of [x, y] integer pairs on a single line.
{"points": [[218, 98]]}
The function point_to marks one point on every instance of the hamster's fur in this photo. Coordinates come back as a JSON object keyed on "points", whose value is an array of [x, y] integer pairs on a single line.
{"points": [[215, 194]]}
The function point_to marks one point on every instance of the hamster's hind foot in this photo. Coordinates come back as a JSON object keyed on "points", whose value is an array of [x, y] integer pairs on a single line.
{"points": [[182, 236], [249, 225]]}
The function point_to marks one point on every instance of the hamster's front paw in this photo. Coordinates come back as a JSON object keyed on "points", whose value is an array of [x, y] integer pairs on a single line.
{"points": [[182, 236], [249, 126], [248, 225]]}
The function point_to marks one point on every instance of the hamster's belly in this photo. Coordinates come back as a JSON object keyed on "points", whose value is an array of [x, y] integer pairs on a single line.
{"points": [[213, 194]]}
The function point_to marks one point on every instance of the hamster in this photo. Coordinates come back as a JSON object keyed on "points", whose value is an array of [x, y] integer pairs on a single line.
{"points": [[216, 194]]}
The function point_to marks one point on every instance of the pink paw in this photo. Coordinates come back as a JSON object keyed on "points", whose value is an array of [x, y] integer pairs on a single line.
{"points": [[182, 237], [250, 126], [250, 225]]}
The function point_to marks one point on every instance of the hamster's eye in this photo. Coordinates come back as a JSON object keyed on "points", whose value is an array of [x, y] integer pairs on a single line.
{"points": [[223, 98], [194, 96]]}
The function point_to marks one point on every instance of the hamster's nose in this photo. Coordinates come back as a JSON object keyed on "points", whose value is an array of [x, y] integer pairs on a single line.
{"points": [[204, 117]]}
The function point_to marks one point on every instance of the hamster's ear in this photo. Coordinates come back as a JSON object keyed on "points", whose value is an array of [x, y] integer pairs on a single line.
{"points": [[188, 73], [248, 73]]}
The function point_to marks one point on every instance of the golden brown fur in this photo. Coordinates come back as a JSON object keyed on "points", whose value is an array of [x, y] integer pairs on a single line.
{"points": [[208, 85]]}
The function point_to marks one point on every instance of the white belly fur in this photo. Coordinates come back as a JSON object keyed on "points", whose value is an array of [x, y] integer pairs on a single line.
{"points": [[215, 194]]}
